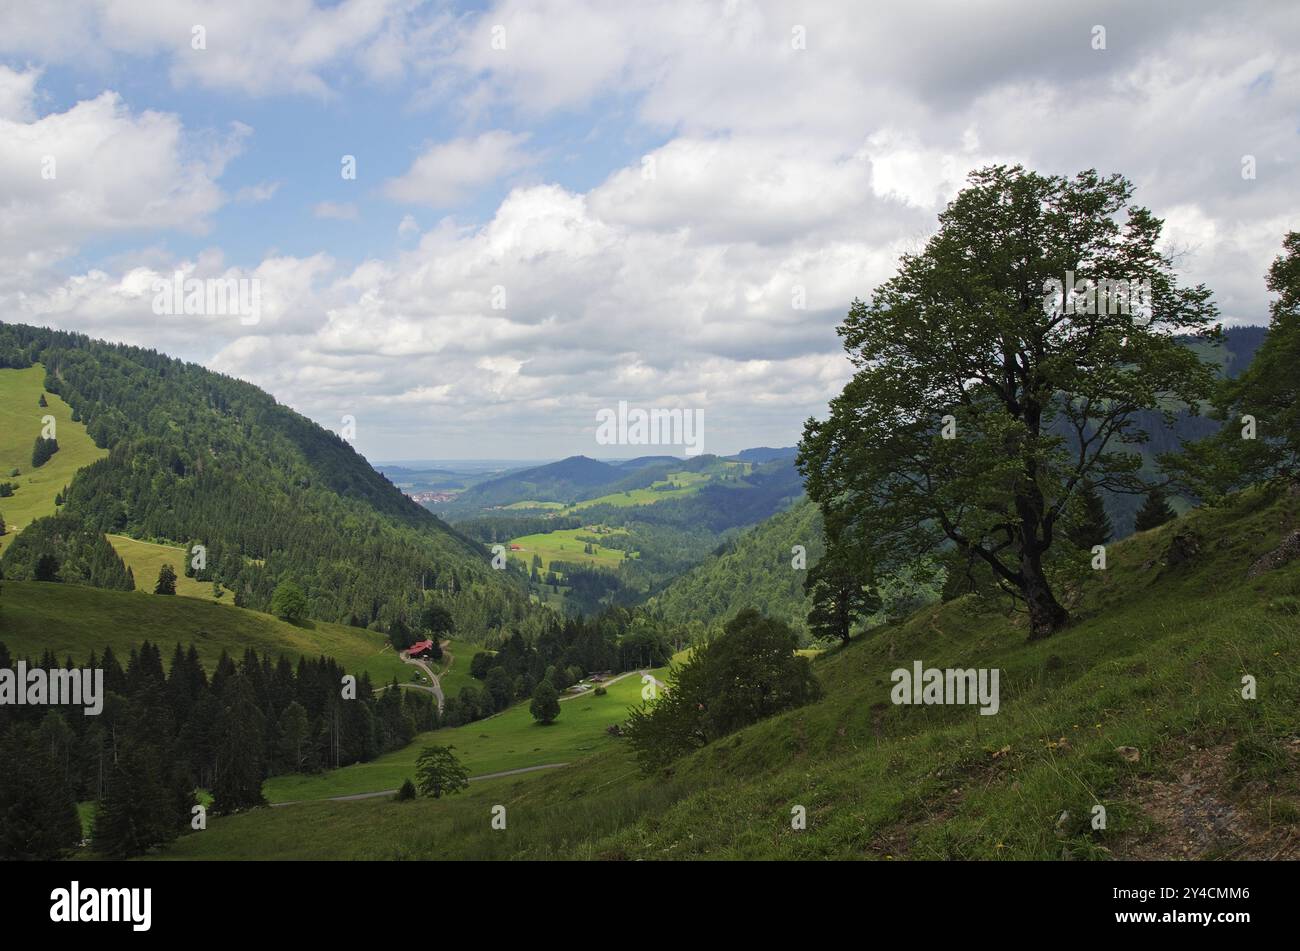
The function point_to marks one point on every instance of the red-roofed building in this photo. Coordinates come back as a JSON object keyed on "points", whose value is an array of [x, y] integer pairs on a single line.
{"points": [[419, 647]]}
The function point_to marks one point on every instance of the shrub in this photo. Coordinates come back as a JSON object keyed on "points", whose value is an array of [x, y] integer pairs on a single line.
{"points": [[748, 673]]}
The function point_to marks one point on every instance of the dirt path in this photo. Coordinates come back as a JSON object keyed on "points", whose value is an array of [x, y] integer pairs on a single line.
{"points": [[659, 684]]}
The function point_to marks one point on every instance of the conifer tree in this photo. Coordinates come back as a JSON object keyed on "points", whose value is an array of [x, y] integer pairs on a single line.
{"points": [[240, 768], [166, 583], [1093, 526], [1155, 511]]}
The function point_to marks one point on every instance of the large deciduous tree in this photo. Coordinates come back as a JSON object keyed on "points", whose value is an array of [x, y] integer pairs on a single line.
{"points": [[1010, 334]]}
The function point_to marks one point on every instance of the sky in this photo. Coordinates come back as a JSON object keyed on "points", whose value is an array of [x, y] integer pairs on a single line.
{"points": [[472, 227]]}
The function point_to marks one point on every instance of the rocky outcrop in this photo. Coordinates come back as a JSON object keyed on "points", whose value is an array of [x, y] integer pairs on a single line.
{"points": [[1279, 556]]}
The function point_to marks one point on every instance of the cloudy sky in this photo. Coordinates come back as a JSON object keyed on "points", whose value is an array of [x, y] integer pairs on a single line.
{"points": [[558, 205]]}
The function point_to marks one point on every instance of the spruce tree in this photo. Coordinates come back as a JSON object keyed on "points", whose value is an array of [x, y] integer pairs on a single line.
{"points": [[1155, 511], [1093, 525], [166, 580], [38, 817], [240, 745], [136, 813]]}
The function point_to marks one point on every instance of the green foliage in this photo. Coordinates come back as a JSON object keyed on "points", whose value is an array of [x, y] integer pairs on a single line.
{"points": [[545, 706], [753, 569], [61, 548], [399, 635], [43, 450], [1261, 438], [288, 602], [1090, 524], [38, 816], [438, 772], [748, 673], [407, 792], [437, 620], [841, 589], [135, 814], [962, 343], [241, 765], [166, 583]]}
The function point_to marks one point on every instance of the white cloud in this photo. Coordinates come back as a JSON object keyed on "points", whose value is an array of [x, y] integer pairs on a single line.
{"points": [[18, 93], [447, 172], [100, 169], [778, 172], [248, 46]]}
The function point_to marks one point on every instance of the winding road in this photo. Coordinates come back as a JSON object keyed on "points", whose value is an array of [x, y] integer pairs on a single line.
{"points": [[435, 687]]}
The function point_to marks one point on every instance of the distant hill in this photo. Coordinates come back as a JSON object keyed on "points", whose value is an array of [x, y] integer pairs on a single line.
{"points": [[764, 454], [563, 481], [196, 457], [641, 461]]}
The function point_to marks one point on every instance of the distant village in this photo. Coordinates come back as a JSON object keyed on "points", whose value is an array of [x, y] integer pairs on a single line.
{"points": [[435, 498]]}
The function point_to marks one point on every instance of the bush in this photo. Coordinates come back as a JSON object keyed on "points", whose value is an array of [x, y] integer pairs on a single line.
{"points": [[406, 793], [601, 691], [748, 673], [288, 602], [546, 703]]}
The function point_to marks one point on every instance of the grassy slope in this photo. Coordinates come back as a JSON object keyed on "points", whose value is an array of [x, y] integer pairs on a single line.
{"points": [[454, 674], [145, 559], [75, 620], [1154, 661], [509, 740], [564, 545], [20, 424]]}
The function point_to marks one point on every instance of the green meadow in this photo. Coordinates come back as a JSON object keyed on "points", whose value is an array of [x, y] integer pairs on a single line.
{"points": [[145, 559], [73, 620], [510, 740], [20, 424], [564, 545]]}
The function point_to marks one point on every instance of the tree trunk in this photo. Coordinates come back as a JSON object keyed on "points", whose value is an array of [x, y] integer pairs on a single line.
{"points": [[1046, 616]]}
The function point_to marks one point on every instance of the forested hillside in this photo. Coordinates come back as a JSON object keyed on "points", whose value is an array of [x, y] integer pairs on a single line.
{"points": [[196, 457], [755, 569]]}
